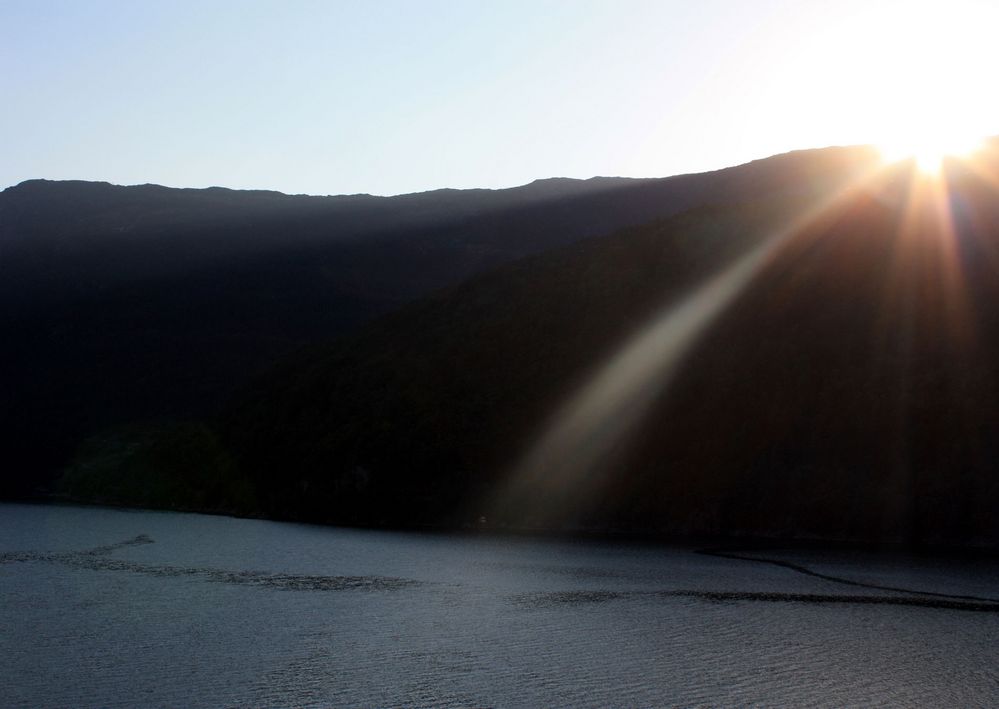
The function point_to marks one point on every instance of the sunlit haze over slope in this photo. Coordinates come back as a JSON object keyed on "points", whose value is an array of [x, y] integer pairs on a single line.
{"points": [[393, 97]]}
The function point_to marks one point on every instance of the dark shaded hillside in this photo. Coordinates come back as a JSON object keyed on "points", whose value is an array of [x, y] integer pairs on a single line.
{"points": [[131, 304], [434, 402], [849, 392]]}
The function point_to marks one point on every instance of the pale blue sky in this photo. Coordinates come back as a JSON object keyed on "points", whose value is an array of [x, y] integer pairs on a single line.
{"points": [[390, 97]]}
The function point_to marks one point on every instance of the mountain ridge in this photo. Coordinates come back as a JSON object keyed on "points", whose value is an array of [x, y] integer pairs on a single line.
{"points": [[554, 178], [135, 308], [829, 401]]}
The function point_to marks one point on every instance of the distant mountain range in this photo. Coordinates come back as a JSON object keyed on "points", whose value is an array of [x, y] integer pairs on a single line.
{"points": [[396, 360], [146, 304], [848, 392]]}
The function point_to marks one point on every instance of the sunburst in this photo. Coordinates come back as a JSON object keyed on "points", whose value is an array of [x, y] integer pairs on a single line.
{"points": [[929, 150]]}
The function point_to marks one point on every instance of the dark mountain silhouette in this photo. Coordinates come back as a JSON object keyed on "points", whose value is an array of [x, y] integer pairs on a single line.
{"points": [[125, 305], [849, 391]]}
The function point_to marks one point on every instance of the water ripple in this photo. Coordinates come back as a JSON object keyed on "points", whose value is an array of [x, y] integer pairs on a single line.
{"points": [[98, 559], [798, 568], [555, 598]]}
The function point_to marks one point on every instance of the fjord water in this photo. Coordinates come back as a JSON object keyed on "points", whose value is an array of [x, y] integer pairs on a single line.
{"points": [[104, 607]]}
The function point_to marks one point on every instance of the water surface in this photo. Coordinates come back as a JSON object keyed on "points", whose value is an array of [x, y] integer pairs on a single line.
{"points": [[106, 607]]}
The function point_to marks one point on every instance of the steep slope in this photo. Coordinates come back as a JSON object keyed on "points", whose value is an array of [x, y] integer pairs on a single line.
{"points": [[129, 304], [847, 391]]}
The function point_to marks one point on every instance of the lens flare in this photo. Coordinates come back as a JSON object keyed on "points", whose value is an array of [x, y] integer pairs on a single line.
{"points": [[929, 151], [563, 464]]}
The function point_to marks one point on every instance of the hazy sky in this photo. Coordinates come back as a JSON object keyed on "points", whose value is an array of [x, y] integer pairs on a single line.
{"points": [[389, 97]]}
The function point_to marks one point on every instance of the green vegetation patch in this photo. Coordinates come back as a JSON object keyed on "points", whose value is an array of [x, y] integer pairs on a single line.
{"points": [[174, 466]]}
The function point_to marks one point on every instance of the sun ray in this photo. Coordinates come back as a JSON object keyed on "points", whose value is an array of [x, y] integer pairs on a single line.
{"points": [[582, 436], [588, 426], [929, 150], [983, 168]]}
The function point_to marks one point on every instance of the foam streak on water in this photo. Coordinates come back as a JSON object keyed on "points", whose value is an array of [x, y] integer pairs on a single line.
{"points": [[117, 608]]}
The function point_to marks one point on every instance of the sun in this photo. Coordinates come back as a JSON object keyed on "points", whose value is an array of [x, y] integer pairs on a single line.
{"points": [[928, 150]]}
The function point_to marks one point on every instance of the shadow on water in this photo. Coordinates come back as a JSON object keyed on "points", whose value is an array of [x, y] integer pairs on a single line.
{"points": [[912, 597], [798, 568], [558, 598], [98, 559]]}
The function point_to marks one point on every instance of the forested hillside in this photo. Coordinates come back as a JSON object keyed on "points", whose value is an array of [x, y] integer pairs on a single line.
{"points": [[142, 305], [848, 391]]}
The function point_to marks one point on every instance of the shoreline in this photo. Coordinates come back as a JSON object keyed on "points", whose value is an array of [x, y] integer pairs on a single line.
{"points": [[710, 544]]}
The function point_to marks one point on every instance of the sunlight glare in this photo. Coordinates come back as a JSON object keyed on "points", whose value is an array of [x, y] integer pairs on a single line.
{"points": [[929, 150], [588, 426]]}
